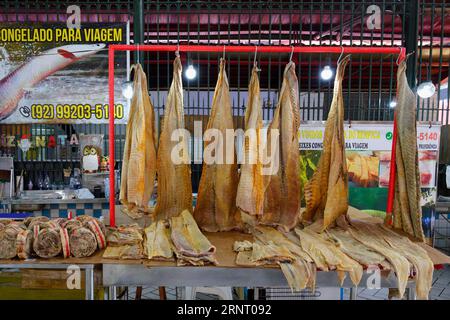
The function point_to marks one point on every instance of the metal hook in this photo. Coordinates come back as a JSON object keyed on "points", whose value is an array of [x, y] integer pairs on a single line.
{"points": [[223, 53], [430, 125], [254, 59], [340, 56], [138, 54], [177, 52], [292, 53], [349, 123]]}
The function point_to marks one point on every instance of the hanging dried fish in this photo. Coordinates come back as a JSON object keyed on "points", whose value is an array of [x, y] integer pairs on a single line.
{"points": [[326, 194], [138, 167], [174, 177], [282, 186], [216, 202], [407, 209]]}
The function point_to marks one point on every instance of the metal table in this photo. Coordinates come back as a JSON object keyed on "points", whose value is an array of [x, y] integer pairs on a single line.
{"points": [[88, 269], [142, 275]]}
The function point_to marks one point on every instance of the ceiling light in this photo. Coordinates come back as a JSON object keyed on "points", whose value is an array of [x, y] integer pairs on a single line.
{"points": [[426, 89], [326, 73], [127, 89], [190, 72], [393, 104]]}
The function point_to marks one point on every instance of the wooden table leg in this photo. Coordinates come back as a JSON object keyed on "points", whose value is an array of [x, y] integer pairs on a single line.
{"points": [[138, 293], [162, 293]]}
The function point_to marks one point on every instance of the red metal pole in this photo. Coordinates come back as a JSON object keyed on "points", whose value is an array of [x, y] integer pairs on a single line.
{"points": [[112, 178], [391, 188]]}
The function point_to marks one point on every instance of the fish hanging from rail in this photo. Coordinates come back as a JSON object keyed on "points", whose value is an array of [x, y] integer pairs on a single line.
{"points": [[173, 160], [326, 193], [282, 187], [216, 202], [407, 209], [139, 160], [250, 194]]}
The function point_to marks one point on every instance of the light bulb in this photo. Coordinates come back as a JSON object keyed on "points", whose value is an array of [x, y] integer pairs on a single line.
{"points": [[393, 104], [190, 72], [326, 73], [127, 89], [426, 89]]}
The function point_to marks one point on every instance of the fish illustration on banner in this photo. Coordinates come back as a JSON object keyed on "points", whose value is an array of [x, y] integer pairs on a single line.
{"points": [[44, 81]]}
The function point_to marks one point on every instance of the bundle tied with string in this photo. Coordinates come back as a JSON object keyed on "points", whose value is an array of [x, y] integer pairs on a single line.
{"points": [[83, 242], [8, 237], [47, 243]]}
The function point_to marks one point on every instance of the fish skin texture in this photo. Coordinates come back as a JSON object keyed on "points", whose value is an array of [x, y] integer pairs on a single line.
{"points": [[216, 202], [174, 180], [326, 193], [407, 204], [282, 188], [138, 168], [187, 238], [417, 256], [370, 236], [250, 193], [158, 245]]}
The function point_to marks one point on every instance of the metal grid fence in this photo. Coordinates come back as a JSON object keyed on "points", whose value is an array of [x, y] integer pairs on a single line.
{"points": [[369, 84]]}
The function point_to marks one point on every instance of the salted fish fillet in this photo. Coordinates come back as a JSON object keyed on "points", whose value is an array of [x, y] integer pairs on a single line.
{"points": [[216, 202], [417, 256], [139, 161], [326, 193], [174, 177], [250, 193], [355, 249], [317, 246], [366, 234], [158, 245], [282, 187], [407, 201], [187, 238], [268, 234]]}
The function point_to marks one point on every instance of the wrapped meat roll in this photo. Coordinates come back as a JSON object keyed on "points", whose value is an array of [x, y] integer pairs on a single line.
{"points": [[71, 225], [85, 219], [8, 238], [65, 242], [24, 244], [83, 242], [47, 244], [2, 226], [28, 221], [99, 235], [42, 223]]}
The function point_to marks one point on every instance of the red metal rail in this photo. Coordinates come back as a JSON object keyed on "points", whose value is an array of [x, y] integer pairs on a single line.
{"points": [[208, 48]]}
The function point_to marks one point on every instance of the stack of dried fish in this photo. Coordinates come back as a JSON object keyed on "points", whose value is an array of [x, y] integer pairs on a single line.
{"points": [[191, 247], [173, 160], [180, 238], [326, 194], [138, 168], [216, 202], [158, 245], [407, 209], [124, 242]]}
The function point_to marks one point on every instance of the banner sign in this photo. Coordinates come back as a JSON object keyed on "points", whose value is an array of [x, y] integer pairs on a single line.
{"points": [[368, 155], [52, 74], [367, 136]]}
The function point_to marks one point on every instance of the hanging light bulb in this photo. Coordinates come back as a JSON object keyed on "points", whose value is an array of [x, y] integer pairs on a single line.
{"points": [[326, 73], [393, 104], [127, 89], [190, 72], [426, 89]]}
